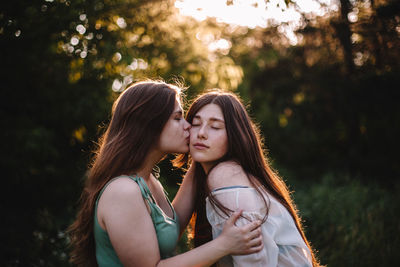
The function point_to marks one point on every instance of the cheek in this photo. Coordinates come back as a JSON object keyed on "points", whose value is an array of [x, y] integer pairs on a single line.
{"points": [[225, 144], [175, 128], [222, 144], [192, 138], [169, 132], [193, 134]]}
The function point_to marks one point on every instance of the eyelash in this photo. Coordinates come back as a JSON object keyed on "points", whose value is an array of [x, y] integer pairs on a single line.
{"points": [[215, 128]]}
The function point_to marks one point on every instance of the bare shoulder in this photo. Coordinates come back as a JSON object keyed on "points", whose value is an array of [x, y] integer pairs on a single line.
{"points": [[123, 185], [122, 189], [121, 197], [227, 173]]}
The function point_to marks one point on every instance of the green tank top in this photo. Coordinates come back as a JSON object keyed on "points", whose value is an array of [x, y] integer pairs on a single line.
{"points": [[167, 229]]}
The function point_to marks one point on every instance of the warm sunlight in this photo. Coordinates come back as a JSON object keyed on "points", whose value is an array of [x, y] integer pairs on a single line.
{"points": [[257, 13]]}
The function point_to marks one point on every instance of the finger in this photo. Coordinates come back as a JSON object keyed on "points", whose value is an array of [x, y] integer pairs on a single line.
{"points": [[252, 226], [234, 217], [256, 233], [251, 250], [255, 249], [255, 242]]}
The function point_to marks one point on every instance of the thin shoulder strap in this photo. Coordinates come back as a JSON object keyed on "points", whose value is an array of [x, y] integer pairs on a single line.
{"points": [[143, 188]]}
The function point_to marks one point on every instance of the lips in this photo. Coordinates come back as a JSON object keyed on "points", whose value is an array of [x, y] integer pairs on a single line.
{"points": [[188, 135], [200, 146]]}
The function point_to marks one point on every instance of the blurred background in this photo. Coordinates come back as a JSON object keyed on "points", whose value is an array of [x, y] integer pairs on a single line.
{"points": [[320, 77]]}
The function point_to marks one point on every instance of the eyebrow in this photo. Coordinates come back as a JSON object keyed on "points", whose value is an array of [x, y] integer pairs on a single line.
{"points": [[211, 119], [178, 112]]}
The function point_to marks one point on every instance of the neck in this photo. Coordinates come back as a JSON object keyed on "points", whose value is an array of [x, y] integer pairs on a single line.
{"points": [[151, 159], [206, 167]]}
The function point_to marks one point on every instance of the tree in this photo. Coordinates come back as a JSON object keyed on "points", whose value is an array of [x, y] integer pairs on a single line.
{"points": [[62, 58], [310, 97]]}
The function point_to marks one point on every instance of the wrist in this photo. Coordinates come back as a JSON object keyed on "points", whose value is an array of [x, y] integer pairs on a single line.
{"points": [[222, 245]]}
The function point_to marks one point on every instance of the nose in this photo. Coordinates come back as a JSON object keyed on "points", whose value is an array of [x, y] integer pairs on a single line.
{"points": [[202, 133], [186, 125]]}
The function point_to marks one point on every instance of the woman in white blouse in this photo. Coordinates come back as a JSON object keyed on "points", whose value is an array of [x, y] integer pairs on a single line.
{"points": [[232, 173]]}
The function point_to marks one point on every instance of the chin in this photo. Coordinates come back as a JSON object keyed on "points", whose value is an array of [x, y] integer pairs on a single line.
{"points": [[198, 158]]}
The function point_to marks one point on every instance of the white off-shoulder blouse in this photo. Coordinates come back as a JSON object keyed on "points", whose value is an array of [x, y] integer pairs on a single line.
{"points": [[283, 244]]}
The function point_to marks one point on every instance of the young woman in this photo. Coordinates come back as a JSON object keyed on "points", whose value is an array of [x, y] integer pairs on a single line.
{"points": [[233, 173], [125, 218]]}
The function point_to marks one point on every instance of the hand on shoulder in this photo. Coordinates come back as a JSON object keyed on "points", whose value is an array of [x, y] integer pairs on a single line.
{"points": [[227, 173]]}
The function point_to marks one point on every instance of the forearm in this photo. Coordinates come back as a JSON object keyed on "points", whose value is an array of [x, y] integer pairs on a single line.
{"points": [[204, 255], [184, 200], [233, 240]]}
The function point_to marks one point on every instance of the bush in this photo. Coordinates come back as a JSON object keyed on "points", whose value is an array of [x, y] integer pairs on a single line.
{"points": [[349, 223]]}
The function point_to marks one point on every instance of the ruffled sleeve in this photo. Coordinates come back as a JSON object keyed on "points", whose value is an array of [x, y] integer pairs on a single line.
{"points": [[283, 245]]}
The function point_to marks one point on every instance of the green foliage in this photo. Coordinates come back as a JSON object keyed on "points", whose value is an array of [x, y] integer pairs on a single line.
{"points": [[349, 223], [317, 114], [336, 119], [65, 61]]}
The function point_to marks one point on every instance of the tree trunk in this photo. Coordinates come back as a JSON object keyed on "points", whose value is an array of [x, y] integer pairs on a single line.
{"points": [[343, 31]]}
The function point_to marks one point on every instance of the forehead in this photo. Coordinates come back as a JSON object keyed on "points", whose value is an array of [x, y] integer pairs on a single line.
{"points": [[178, 106], [210, 111]]}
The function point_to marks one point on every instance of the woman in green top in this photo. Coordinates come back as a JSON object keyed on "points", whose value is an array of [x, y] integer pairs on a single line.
{"points": [[125, 218]]}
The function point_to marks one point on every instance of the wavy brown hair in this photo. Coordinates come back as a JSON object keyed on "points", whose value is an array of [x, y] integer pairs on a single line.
{"points": [[245, 147], [138, 118]]}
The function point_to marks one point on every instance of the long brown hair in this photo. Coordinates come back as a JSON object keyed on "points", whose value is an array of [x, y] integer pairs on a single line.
{"points": [[138, 117], [245, 147]]}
